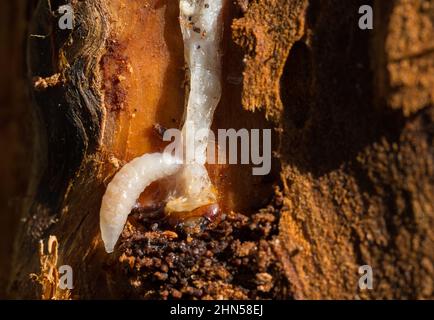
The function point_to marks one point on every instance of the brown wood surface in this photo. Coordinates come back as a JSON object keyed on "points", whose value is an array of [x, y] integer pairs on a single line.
{"points": [[352, 113]]}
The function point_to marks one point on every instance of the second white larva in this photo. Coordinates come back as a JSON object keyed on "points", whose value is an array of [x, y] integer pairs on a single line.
{"points": [[201, 27]]}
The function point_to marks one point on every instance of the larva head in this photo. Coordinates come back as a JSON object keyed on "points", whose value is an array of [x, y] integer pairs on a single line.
{"points": [[195, 221]]}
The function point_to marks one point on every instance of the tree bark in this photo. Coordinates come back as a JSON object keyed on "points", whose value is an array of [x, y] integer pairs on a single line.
{"points": [[352, 182]]}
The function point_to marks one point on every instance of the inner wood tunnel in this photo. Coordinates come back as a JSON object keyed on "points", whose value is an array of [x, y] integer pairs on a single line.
{"points": [[144, 86]]}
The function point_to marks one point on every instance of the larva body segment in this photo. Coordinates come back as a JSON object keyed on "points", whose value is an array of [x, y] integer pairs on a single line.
{"points": [[124, 190]]}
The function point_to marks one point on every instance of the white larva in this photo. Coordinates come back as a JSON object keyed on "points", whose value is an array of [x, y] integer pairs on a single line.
{"points": [[124, 190], [201, 27]]}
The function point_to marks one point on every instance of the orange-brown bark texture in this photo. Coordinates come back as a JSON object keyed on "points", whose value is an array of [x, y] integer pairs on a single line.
{"points": [[352, 180]]}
